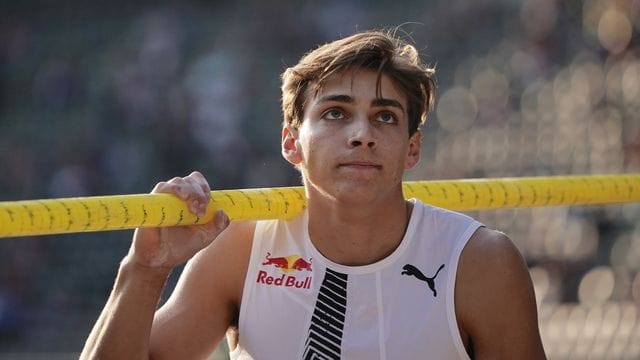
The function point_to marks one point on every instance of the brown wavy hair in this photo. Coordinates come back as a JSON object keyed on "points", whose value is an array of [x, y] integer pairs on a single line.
{"points": [[372, 50]]}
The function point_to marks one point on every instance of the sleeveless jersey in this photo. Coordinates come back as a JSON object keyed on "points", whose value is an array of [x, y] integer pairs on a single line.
{"points": [[297, 304]]}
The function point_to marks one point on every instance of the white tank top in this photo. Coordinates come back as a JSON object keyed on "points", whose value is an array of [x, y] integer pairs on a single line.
{"points": [[297, 304]]}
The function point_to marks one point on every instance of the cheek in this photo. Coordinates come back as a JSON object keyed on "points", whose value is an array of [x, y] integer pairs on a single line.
{"points": [[314, 143], [400, 154], [308, 146], [313, 153]]}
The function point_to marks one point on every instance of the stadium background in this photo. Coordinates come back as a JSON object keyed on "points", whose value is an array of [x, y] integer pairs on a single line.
{"points": [[109, 98]]}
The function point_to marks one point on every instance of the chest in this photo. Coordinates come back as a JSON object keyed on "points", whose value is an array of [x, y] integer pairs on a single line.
{"points": [[321, 311]]}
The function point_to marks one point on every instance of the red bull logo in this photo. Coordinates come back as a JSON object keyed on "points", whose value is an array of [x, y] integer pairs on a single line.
{"points": [[286, 264]]}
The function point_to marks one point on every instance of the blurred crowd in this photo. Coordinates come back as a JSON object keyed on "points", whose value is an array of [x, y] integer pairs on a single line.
{"points": [[109, 99]]}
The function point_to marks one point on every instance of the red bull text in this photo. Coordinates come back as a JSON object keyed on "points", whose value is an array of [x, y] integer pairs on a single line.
{"points": [[286, 264]]}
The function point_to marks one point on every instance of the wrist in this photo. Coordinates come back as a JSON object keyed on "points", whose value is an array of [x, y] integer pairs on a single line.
{"points": [[131, 268]]}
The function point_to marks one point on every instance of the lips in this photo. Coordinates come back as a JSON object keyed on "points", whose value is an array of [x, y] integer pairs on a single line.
{"points": [[360, 165]]}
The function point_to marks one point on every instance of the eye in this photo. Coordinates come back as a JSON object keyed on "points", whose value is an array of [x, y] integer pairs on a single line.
{"points": [[333, 114], [387, 117]]}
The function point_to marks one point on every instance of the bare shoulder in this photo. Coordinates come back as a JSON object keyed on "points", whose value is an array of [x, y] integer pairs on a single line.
{"points": [[494, 299], [490, 267], [490, 248], [206, 300]]}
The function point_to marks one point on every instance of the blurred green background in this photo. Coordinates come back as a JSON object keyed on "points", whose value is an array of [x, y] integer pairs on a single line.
{"points": [[111, 97]]}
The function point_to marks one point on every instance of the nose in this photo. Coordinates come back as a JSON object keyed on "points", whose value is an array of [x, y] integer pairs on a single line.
{"points": [[362, 135]]}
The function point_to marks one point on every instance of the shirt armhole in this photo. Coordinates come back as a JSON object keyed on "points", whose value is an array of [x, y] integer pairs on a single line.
{"points": [[247, 290], [451, 285]]}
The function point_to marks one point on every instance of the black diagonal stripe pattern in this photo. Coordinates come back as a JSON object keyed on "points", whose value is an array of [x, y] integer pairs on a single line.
{"points": [[324, 337]]}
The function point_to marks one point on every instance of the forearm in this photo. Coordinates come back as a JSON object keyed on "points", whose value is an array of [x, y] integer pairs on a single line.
{"points": [[123, 328]]}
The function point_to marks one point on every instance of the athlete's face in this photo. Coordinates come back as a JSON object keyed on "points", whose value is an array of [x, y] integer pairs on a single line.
{"points": [[353, 144]]}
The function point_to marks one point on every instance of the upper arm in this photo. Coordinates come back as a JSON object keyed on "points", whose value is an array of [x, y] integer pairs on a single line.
{"points": [[495, 301], [206, 299]]}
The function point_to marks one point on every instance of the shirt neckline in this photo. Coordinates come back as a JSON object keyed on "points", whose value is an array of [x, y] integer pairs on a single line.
{"points": [[416, 214]]}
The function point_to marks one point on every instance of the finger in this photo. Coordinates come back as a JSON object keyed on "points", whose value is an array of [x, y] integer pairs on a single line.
{"points": [[165, 187], [217, 225], [197, 175], [210, 231], [198, 197], [193, 189], [202, 181], [198, 187], [173, 186]]}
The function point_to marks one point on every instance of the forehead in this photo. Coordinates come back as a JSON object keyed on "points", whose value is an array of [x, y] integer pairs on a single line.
{"points": [[360, 84]]}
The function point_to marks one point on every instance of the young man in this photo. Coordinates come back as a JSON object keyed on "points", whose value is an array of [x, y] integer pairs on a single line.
{"points": [[361, 273]]}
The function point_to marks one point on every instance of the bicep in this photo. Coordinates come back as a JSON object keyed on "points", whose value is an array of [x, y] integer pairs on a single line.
{"points": [[204, 303], [495, 299]]}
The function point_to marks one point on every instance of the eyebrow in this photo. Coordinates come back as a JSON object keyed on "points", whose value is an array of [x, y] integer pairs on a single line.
{"points": [[387, 102], [348, 99], [336, 98]]}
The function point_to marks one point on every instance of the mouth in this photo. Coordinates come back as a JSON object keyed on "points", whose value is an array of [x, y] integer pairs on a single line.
{"points": [[360, 165]]}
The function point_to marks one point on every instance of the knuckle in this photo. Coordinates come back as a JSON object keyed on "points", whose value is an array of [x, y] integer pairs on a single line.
{"points": [[197, 188], [167, 188], [190, 180], [161, 186], [199, 178]]}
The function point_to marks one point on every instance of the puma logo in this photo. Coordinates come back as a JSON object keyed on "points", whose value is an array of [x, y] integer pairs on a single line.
{"points": [[414, 271]]}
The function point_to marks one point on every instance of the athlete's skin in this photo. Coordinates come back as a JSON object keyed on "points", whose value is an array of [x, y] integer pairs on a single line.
{"points": [[352, 149]]}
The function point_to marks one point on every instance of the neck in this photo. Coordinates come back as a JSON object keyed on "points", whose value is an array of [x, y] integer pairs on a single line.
{"points": [[357, 233]]}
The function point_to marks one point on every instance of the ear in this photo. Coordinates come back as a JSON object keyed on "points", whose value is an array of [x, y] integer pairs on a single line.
{"points": [[291, 150], [413, 155]]}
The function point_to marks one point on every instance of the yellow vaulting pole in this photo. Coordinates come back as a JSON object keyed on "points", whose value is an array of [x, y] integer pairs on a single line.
{"points": [[101, 213]]}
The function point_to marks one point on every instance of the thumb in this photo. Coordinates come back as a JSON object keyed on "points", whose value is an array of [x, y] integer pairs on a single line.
{"points": [[221, 220], [217, 225]]}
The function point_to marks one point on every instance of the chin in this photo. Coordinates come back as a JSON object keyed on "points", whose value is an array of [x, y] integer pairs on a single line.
{"points": [[353, 189], [357, 192]]}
